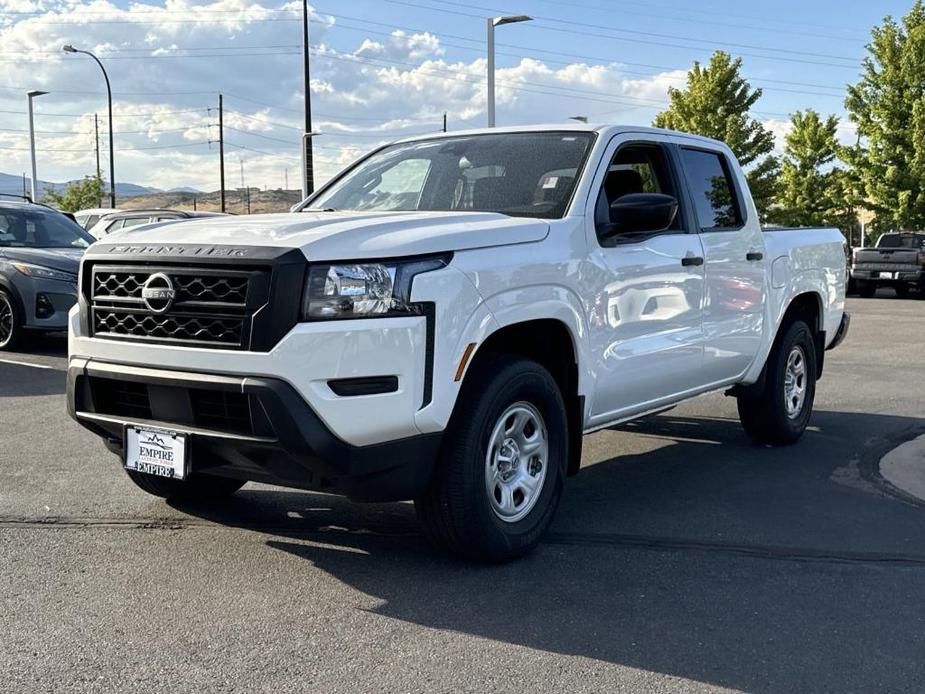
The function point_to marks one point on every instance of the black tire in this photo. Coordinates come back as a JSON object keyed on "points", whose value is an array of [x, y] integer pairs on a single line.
{"points": [[867, 289], [11, 330], [193, 488], [764, 415], [902, 291], [456, 512]]}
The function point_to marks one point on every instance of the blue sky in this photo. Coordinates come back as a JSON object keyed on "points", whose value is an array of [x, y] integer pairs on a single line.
{"points": [[383, 69]]}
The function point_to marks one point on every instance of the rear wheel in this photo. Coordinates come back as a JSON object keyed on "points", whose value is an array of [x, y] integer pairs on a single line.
{"points": [[779, 413], [193, 488], [902, 291], [503, 464], [10, 322], [867, 289]]}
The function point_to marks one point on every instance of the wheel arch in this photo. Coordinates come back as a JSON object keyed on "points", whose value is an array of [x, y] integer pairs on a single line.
{"points": [[551, 343], [807, 307]]}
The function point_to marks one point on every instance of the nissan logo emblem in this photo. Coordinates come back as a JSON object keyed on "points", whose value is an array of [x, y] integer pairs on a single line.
{"points": [[158, 293]]}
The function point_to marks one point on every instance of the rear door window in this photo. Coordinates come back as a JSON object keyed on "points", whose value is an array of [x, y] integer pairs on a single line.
{"points": [[711, 187]]}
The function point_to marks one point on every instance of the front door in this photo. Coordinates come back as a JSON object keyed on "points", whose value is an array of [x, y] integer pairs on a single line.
{"points": [[646, 311]]}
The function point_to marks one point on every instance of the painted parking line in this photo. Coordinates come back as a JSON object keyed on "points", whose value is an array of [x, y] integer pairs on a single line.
{"points": [[27, 363]]}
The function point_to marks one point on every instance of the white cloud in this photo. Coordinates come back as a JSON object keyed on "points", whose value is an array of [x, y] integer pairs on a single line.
{"points": [[381, 89]]}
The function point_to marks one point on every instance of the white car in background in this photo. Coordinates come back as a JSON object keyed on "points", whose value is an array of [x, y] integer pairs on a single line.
{"points": [[89, 217], [132, 218]]}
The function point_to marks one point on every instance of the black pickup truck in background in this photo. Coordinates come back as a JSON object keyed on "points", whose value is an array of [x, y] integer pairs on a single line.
{"points": [[897, 261]]}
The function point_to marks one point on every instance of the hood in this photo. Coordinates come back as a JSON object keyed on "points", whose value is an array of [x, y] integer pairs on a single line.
{"points": [[63, 259], [346, 235]]}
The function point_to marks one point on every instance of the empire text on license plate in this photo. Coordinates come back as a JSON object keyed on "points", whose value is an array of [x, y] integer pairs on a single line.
{"points": [[156, 452]]}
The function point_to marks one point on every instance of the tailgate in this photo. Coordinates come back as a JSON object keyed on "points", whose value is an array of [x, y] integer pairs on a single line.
{"points": [[887, 259]]}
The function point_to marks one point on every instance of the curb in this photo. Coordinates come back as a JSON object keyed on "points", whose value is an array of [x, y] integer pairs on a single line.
{"points": [[904, 467]]}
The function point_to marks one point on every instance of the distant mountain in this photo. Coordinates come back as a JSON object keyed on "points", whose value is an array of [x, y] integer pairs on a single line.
{"points": [[13, 185], [184, 189]]}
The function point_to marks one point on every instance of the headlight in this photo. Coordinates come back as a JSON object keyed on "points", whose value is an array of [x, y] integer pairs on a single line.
{"points": [[363, 290], [44, 273]]}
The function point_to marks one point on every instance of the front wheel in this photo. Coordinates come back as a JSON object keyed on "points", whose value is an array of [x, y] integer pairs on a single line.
{"points": [[779, 413], [193, 488], [10, 323], [502, 465]]}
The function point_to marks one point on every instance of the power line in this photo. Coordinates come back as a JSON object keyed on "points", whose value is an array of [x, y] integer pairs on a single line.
{"points": [[115, 115], [586, 33], [636, 32]]}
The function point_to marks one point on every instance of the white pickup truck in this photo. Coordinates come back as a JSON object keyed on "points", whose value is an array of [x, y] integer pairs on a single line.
{"points": [[445, 319]]}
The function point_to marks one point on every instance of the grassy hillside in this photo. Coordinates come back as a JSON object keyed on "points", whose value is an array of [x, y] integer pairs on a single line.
{"points": [[260, 201]]}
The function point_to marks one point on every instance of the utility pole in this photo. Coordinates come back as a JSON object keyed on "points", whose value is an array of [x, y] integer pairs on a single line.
{"points": [[221, 150], [286, 179], [308, 174], [245, 191], [444, 121], [96, 131]]}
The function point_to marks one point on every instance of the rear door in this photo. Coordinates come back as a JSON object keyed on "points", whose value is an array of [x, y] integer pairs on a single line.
{"points": [[733, 249]]}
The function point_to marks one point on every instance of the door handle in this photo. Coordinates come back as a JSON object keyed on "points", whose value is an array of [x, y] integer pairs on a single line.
{"points": [[754, 255], [691, 260]]}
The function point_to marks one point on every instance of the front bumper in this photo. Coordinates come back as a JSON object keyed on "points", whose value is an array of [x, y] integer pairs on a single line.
{"points": [[252, 428], [902, 276], [45, 302]]}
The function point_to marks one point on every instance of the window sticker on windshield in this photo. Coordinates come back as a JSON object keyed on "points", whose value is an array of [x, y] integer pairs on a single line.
{"points": [[550, 181]]}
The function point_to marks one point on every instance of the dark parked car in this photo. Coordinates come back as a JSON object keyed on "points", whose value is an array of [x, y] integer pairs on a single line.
{"points": [[133, 218], [897, 261], [40, 250]]}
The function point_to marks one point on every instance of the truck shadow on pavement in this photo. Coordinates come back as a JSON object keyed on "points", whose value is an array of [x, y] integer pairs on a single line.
{"points": [[695, 554]]}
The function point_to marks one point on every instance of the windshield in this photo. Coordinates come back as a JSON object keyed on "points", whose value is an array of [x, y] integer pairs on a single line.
{"points": [[902, 241], [40, 228], [517, 174]]}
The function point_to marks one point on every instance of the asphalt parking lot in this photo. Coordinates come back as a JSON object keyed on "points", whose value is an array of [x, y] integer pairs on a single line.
{"points": [[683, 558]]}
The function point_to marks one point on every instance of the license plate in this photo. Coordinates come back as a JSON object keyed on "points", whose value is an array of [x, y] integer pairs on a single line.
{"points": [[156, 452], [886, 275]]}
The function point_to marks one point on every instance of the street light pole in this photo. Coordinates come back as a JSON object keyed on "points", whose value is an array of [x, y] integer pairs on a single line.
{"points": [[308, 164], [493, 22], [31, 96], [112, 162]]}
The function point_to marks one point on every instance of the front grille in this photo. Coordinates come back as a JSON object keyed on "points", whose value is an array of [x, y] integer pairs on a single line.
{"points": [[217, 332], [216, 410], [209, 307]]}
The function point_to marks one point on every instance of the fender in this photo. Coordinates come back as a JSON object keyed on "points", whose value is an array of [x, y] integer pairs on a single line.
{"points": [[544, 302], [783, 288], [14, 293]]}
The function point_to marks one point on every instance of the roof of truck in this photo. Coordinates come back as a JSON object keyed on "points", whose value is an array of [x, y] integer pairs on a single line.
{"points": [[604, 128]]}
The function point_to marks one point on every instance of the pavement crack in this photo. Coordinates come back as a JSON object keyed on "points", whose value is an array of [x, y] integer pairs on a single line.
{"points": [[730, 548], [615, 540]]}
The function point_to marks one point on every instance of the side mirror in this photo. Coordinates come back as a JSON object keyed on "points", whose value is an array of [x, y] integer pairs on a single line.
{"points": [[641, 212]]}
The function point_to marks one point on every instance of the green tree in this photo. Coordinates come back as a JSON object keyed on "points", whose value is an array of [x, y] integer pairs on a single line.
{"points": [[715, 103], [812, 189], [77, 195], [888, 105]]}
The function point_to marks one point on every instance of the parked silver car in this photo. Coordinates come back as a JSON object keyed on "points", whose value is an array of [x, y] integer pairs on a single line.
{"points": [[40, 251]]}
